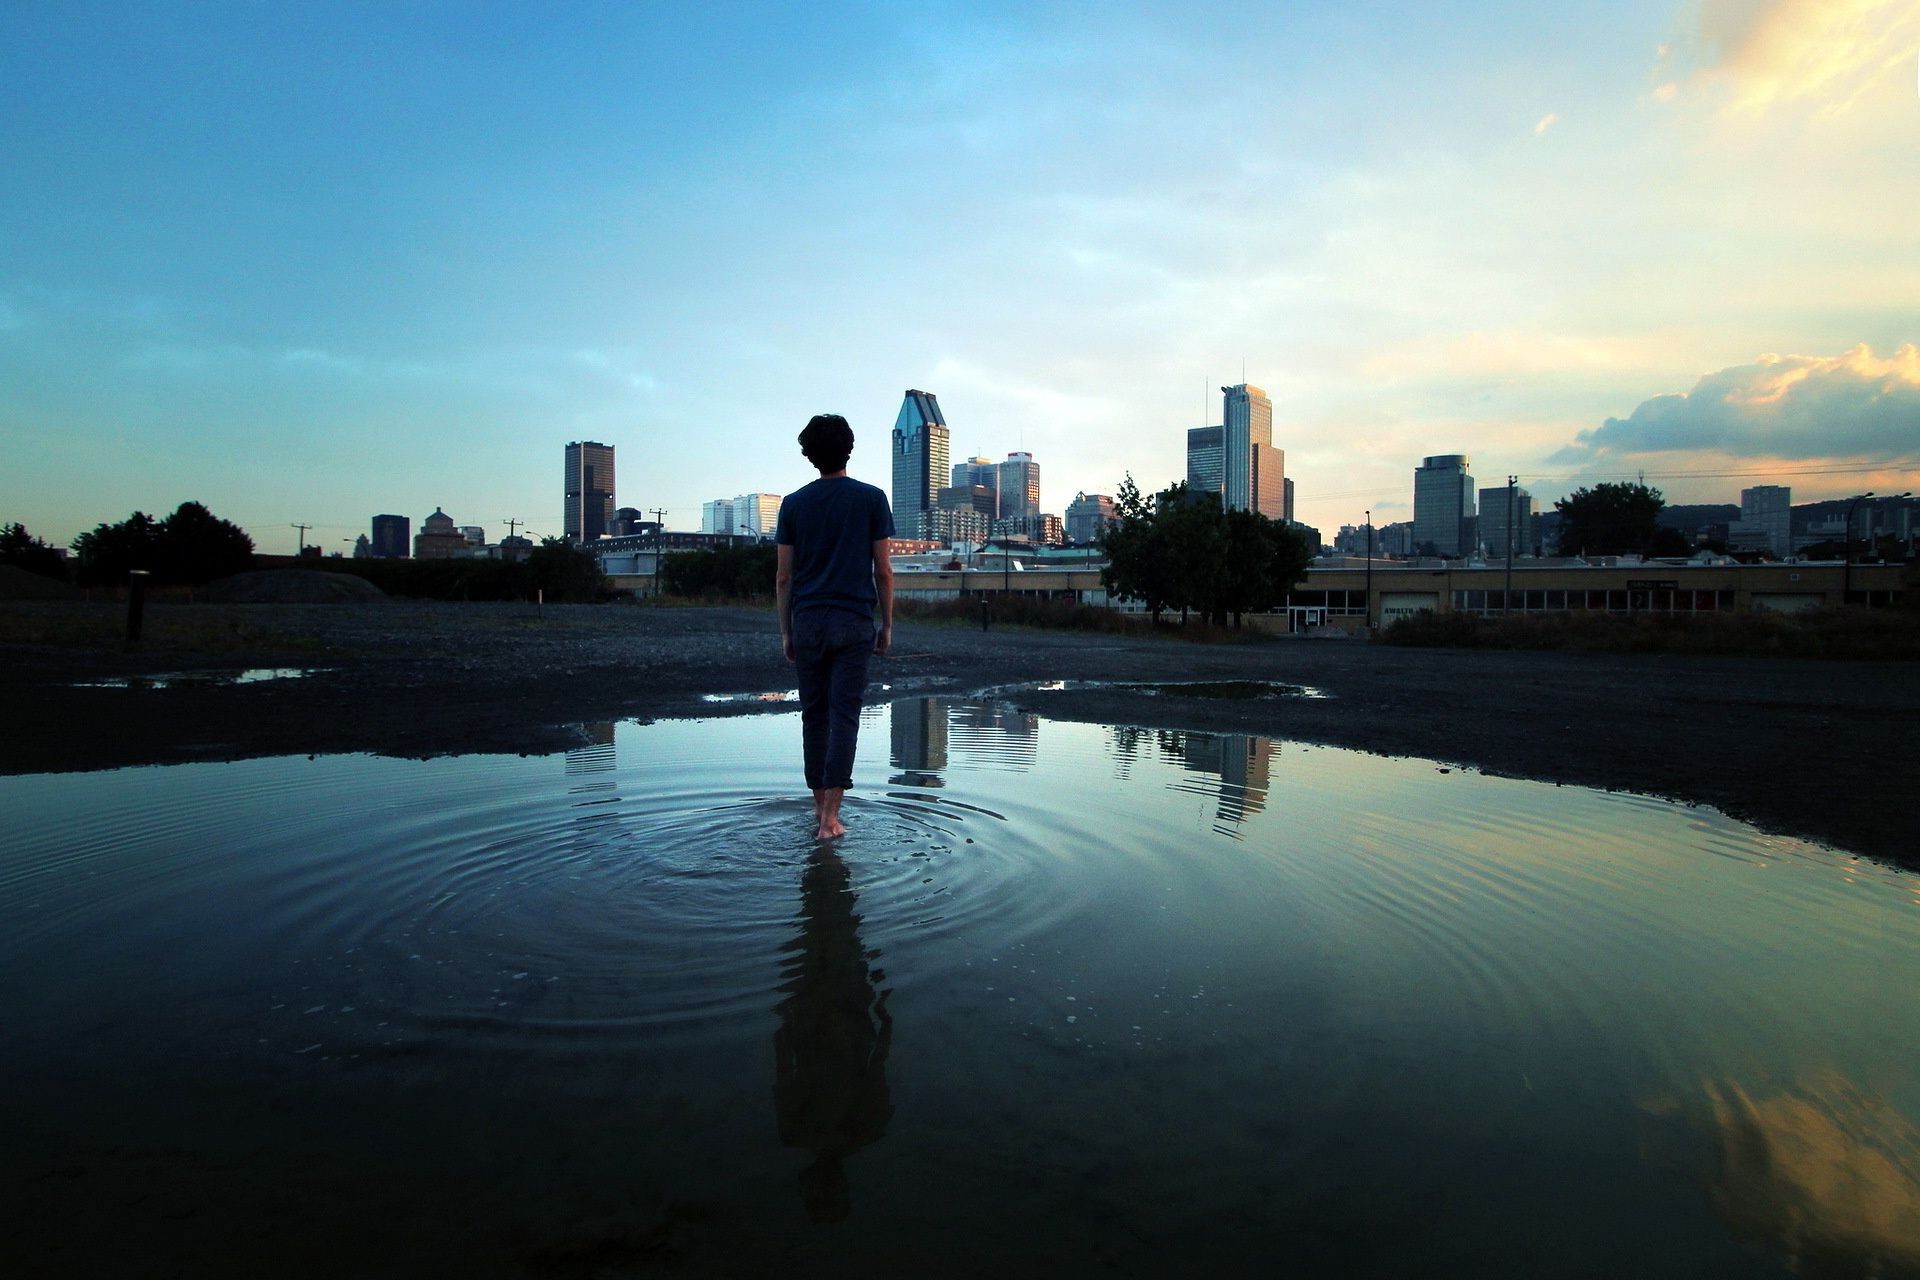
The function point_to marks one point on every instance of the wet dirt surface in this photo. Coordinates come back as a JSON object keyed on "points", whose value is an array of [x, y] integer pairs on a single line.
{"points": [[1815, 749]]}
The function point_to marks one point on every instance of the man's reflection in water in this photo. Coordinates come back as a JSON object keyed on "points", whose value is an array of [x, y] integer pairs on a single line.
{"points": [[830, 1053]]}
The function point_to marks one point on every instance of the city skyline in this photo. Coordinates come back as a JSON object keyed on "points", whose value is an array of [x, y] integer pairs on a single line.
{"points": [[312, 267]]}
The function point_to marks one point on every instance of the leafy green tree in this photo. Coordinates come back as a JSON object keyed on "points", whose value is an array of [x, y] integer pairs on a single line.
{"points": [[737, 573], [1181, 550], [195, 546], [107, 553], [24, 551], [565, 572], [1138, 555], [189, 547], [1609, 519]]}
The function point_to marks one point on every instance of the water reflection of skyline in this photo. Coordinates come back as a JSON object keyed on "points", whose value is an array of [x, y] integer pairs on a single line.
{"points": [[930, 734], [1239, 767]]}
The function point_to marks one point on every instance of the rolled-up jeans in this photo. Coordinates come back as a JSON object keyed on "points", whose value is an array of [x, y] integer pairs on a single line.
{"points": [[831, 648]]}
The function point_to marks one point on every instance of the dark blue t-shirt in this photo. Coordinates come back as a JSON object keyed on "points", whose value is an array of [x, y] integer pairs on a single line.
{"points": [[832, 525]]}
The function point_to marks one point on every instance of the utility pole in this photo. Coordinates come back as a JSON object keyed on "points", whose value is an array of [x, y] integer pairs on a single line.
{"points": [[1506, 597], [303, 535], [1369, 601], [513, 526], [659, 541]]}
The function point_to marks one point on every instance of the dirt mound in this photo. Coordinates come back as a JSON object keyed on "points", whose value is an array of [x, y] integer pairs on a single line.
{"points": [[289, 586], [17, 584]]}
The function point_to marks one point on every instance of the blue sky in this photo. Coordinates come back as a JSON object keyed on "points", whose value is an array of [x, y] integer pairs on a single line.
{"points": [[310, 263]]}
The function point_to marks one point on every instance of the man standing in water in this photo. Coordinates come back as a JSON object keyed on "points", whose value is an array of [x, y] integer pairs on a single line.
{"points": [[833, 572]]}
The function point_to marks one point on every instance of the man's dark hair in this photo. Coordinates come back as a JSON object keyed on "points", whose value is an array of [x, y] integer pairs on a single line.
{"points": [[827, 441]]}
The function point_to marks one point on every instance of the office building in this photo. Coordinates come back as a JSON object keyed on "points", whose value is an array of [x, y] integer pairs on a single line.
{"points": [[1286, 505], [756, 514], [1252, 471], [1088, 515], [476, 535], [391, 537], [439, 538], [1443, 506], [1019, 486], [1203, 460], [717, 516], [1493, 522], [626, 521], [980, 472], [919, 461], [1766, 519], [589, 490]]}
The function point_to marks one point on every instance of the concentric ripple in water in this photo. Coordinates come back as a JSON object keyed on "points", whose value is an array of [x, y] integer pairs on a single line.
{"points": [[1067, 998]]}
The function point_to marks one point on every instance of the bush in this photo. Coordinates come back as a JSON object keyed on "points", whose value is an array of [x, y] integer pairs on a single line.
{"points": [[724, 573], [1828, 633], [1060, 615]]}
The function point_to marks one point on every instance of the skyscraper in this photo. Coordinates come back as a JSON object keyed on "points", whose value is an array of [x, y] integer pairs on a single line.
{"points": [[1766, 520], [392, 537], [1253, 472], [1203, 460], [756, 513], [1493, 522], [979, 471], [589, 490], [1443, 505], [919, 461], [1019, 486]]}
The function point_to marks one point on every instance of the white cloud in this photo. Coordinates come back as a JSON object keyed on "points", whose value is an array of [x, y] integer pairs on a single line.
{"points": [[1855, 405], [1824, 54], [1546, 122]]}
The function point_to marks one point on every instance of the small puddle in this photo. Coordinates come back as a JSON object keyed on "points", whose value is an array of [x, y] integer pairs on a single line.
{"points": [[1228, 690], [201, 679]]}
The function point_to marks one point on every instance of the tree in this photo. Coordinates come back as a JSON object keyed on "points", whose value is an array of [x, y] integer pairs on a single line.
{"points": [[24, 551], [564, 571], [196, 546], [109, 552], [189, 547], [1181, 550], [1609, 519]]}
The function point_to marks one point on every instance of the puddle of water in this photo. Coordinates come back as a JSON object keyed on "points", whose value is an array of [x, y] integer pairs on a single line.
{"points": [[782, 695], [188, 679], [1238, 690], [1067, 998]]}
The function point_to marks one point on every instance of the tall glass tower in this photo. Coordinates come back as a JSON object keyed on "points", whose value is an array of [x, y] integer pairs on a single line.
{"points": [[1252, 471], [1019, 486], [589, 490], [1443, 505], [920, 462]]}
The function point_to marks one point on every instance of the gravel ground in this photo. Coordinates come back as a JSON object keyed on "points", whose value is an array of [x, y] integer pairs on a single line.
{"points": [[1817, 749]]}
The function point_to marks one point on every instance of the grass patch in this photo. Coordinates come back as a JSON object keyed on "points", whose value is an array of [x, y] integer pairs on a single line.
{"points": [[1873, 634]]}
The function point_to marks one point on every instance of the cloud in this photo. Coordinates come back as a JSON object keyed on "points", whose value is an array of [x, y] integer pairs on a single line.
{"points": [[1855, 405], [1824, 53], [1547, 122]]}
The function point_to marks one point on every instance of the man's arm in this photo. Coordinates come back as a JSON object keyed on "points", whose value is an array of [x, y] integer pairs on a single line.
{"points": [[883, 583], [783, 596]]}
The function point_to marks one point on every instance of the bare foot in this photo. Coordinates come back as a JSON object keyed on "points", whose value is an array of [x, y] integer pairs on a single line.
{"points": [[830, 829]]}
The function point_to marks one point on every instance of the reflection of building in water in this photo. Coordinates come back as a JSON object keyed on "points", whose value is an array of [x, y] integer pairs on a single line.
{"points": [[919, 734], [597, 754], [1826, 1173], [830, 1052], [994, 733], [1242, 764]]}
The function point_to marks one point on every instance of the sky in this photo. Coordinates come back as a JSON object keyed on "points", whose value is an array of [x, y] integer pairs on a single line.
{"points": [[309, 263]]}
